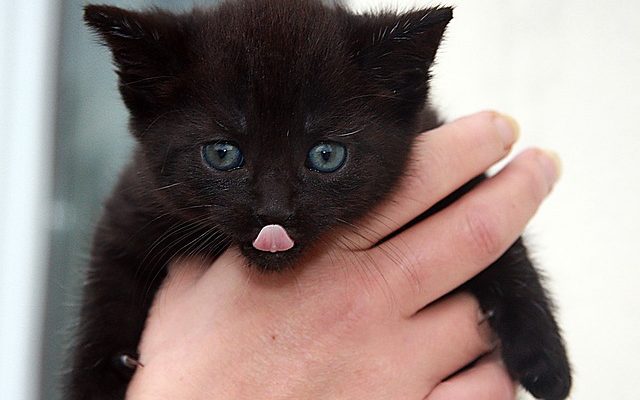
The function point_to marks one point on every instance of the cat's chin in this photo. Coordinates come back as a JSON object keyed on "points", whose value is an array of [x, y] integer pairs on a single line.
{"points": [[270, 262]]}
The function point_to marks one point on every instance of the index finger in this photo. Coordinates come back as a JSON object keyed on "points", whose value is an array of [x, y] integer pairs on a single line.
{"points": [[443, 160]]}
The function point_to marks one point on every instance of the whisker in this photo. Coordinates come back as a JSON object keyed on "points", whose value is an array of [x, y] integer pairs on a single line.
{"points": [[166, 214], [168, 186], [351, 133], [147, 79], [178, 228], [356, 230], [158, 118], [159, 261]]}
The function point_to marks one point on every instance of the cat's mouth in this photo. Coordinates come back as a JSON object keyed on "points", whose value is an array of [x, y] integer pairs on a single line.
{"points": [[272, 249], [272, 262]]}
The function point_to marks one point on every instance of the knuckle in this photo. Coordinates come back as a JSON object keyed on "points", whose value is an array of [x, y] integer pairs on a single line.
{"points": [[483, 232]]}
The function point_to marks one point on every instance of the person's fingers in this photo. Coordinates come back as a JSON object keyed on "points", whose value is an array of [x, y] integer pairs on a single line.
{"points": [[457, 331], [443, 160], [440, 253], [486, 380]]}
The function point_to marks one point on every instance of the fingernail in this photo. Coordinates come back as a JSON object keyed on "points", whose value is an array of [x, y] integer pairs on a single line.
{"points": [[552, 166], [508, 129]]}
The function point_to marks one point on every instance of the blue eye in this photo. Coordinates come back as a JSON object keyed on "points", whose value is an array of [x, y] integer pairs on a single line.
{"points": [[326, 157], [223, 156]]}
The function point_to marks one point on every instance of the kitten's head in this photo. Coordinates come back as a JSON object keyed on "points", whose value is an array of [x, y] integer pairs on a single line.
{"points": [[260, 112]]}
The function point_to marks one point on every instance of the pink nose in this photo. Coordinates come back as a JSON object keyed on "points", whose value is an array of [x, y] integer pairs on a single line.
{"points": [[273, 238]]}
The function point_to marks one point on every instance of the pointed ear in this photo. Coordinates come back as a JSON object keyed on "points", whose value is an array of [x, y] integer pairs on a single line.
{"points": [[149, 52], [396, 51]]}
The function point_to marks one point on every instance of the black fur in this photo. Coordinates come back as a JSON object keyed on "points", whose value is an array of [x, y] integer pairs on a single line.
{"points": [[275, 77]]}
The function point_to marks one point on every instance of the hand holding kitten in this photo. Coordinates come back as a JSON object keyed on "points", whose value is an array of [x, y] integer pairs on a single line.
{"points": [[358, 320]]}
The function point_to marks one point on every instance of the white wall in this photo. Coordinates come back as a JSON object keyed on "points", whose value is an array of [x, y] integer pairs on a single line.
{"points": [[569, 71]]}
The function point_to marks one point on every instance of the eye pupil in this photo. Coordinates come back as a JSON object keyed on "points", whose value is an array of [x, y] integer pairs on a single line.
{"points": [[222, 153], [326, 157]]}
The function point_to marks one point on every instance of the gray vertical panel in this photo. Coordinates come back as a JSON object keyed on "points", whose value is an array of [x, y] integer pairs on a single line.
{"points": [[92, 144]]}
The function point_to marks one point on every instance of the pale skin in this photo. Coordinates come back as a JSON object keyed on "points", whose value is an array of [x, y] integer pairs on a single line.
{"points": [[356, 320]]}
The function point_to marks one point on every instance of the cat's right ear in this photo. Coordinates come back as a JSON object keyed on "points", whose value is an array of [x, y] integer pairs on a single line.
{"points": [[149, 52], [397, 51]]}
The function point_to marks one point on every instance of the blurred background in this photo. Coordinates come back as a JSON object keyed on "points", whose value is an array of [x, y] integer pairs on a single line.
{"points": [[569, 71]]}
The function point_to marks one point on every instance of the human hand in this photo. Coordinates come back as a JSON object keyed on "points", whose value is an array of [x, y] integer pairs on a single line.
{"points": [[357, 320]]}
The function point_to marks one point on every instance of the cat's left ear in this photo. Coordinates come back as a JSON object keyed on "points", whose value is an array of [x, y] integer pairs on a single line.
{"points": [[149, 52], [397, 50]]}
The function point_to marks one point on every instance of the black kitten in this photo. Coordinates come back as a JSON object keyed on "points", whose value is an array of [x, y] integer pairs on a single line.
{"points": [[263, 124]]}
